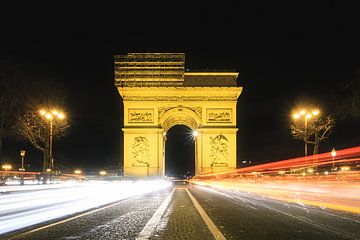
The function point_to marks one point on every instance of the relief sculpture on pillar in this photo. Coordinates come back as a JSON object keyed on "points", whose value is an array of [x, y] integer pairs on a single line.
{"points": [[219, 152], [140, 152]]}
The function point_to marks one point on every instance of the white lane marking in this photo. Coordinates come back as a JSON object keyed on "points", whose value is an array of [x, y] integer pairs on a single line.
{"points": [[210, 224], [154, 221]]}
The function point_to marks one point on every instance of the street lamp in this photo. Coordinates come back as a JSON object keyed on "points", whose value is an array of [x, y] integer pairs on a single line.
{"points": [[50, 116], [333, 155], [306, 116], [22, 155], [6, 167]]}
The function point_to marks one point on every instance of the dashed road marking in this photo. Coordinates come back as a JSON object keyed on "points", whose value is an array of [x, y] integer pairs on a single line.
{"points": [[154, 221], [210, 224]]}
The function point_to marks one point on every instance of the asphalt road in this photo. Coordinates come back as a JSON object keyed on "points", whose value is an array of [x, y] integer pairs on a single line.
{"points": [[241, 215], [191, 212]]}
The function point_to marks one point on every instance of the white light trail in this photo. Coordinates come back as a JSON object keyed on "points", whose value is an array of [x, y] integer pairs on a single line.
{"points": [[26, 208]]}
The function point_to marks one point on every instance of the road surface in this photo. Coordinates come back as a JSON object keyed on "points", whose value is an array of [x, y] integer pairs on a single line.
{"points": [[194, 212]]}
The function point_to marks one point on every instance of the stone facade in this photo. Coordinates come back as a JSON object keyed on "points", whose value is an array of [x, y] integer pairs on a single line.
{"points": [[149, 112]]}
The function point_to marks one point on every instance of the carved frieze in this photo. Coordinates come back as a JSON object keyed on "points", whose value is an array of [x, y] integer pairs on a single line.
{"points": [[219, 152], [144, 115], [140, 152], [218, 115], [232, 97]]}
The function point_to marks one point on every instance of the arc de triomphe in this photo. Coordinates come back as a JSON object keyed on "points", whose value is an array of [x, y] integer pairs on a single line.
{"points": [[158, 93]]}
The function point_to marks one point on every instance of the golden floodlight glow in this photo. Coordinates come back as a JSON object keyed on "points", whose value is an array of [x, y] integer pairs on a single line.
{"points": [[315, 112], [102, 173], [60, 115], [51, 114], [48, 116], [77, 171], [296, 116], [7, 166], [195, 133], [345, 168], [48, 170], [281, 172], [310, 170], [302, 112], [308, 116]]}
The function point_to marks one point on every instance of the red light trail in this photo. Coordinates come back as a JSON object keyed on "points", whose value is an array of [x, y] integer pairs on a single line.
{"points": [[320, 180]]}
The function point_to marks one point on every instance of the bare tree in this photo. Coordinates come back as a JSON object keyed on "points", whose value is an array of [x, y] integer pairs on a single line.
{"points": [[316, 131], [25, 87], [32, 126], [322, 130]]}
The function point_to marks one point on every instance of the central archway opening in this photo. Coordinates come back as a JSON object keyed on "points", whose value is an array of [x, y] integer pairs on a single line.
{"points": [[179, 152]]}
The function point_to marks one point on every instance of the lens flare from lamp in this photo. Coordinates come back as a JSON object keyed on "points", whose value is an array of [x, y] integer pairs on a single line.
{"points": [[48, 116], [315, 112], [296, 116], [60, 115]]}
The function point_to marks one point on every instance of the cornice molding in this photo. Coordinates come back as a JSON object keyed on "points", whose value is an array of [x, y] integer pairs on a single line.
{"points": [[180, 93]]}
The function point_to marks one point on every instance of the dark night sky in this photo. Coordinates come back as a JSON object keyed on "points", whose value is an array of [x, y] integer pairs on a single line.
{"points": [[284, 53]]}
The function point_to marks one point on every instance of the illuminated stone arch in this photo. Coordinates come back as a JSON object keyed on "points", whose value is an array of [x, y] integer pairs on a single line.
{"points": [[158, 94], [180, 116]]}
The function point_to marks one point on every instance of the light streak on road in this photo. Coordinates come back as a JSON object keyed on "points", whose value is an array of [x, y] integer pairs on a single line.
{"points": [[26, 208], [343, 196], [320, 180], [13, 186], [323, 160]]}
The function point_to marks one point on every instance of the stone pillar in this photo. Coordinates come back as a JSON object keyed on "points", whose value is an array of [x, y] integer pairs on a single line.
{"points": [[218, 150], [143, 149]]}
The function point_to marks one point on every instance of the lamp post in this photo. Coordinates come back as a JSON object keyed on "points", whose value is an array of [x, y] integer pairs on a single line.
{"points": [[333, 155], [22, 155], [306, 116], [50, 116]]}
